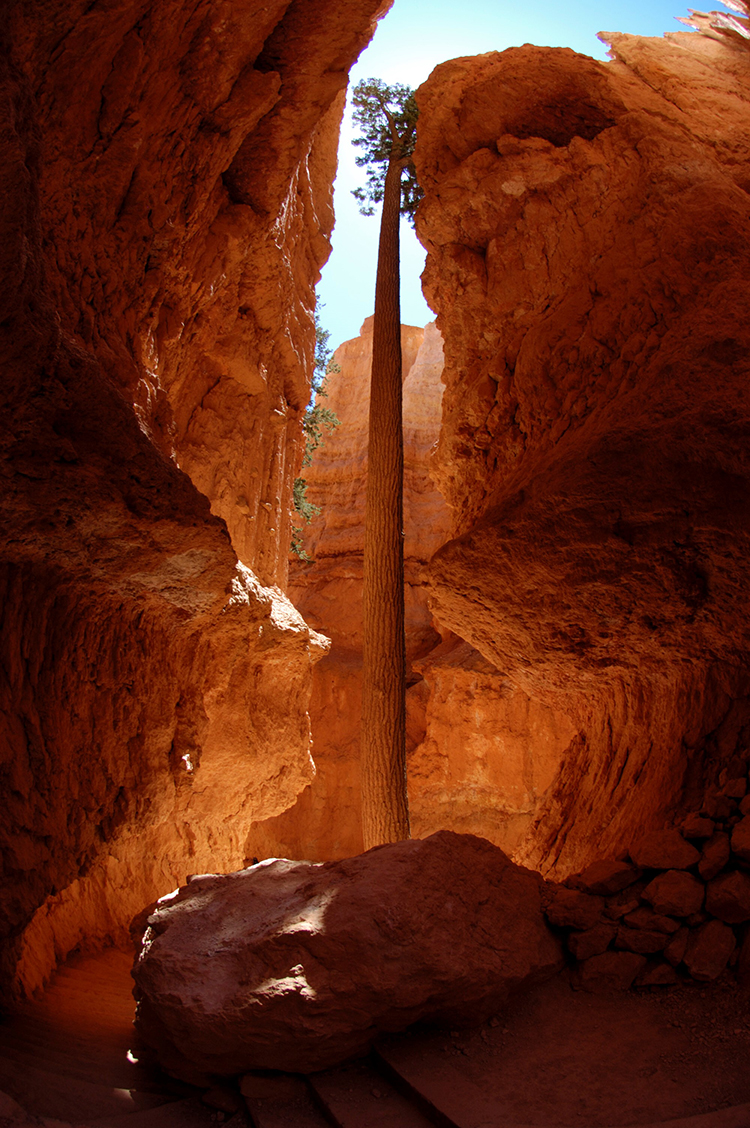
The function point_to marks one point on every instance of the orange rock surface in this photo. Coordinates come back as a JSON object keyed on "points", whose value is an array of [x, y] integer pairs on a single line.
{"points": [[165, 206], [489, 752], [588, 258], [186, 190]]}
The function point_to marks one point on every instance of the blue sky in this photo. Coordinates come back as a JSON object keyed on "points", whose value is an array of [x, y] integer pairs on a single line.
{"points": [[410, 41]]}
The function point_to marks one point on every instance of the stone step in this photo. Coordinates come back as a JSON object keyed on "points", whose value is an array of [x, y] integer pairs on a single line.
{"points": [[107, 1056], [359, 1095], [282, 1101], [189, 1113], [108, 986], [64, 1055], [445, 1094], [43, 1093], [452, 1100]]}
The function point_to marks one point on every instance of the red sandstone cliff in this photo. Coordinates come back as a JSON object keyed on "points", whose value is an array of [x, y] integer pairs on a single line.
{"points": [[165, 207], [187, 154], [588, 259]]}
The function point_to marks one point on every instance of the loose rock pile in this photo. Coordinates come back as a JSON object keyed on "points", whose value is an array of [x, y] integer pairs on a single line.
{"points": [[678, 907]]}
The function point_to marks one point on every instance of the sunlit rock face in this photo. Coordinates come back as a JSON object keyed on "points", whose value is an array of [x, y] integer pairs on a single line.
{"points": [[481, 753], [489, 752], [186, 202], [589, 262], [165, 205]]}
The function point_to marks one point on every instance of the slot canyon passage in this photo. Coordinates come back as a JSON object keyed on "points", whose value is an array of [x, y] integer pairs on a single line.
{"points": [[179, 699]]}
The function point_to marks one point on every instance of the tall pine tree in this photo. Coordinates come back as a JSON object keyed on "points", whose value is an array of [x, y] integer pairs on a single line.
{"points": [[387, 118]]}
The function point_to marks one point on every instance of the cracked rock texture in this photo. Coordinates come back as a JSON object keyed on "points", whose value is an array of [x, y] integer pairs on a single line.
{"points": [[589, 260], [481, 753], [165, 206]]}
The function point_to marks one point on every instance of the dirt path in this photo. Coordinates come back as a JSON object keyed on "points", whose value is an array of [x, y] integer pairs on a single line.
{"points": [[561, 1057]]}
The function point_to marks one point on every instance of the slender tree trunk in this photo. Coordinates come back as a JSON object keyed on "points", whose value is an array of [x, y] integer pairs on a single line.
{"points": [[385, 812]]}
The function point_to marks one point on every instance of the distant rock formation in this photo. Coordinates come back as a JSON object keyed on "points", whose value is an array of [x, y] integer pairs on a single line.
{"points": [[589, 259], [325, 821], [481, 753]]}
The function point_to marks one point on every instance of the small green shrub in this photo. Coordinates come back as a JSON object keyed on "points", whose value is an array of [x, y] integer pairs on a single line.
{"points": [[318, 421]]}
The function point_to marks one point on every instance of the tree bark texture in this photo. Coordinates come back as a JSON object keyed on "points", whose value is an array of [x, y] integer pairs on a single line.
{"points": [[385, 813]]}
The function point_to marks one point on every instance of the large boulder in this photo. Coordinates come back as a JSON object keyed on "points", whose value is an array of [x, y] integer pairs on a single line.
{"points": [[296, 966]]}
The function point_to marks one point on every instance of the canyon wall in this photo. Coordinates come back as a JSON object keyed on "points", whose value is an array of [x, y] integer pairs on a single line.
{"points": [[588, 259], [165, 207], [185, 185], [481, 753]]}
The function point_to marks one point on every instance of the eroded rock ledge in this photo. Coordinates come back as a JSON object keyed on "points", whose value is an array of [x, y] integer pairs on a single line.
{"points": [[589, 261]]}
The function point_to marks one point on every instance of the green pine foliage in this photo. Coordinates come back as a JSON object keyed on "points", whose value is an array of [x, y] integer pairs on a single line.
{"points": [[387, 119], [318, 421]]}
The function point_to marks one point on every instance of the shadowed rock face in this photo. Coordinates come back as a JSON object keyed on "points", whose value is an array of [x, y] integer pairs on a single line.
{"points": [[589, 261], [165, 205]]}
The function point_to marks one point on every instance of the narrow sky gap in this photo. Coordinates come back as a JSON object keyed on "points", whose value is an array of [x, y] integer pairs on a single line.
{"points": [[413, 38]]}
